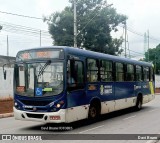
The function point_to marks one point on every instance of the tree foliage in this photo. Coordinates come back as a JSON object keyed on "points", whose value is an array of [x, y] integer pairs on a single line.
{"points": [[152, 55], [95, 22]]}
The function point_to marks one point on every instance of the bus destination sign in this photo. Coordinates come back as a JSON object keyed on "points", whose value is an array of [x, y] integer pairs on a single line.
{"points": [[39, 54]]}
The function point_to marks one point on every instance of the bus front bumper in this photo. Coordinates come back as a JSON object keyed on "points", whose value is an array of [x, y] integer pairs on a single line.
{"points": [[46, 117]]}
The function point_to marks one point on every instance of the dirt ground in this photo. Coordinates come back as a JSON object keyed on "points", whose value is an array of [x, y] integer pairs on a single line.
{"points": [[157, 90], [6, 105]]}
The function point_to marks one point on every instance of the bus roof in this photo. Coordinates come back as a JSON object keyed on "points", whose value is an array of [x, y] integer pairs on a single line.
{"points": [[92, 54]]}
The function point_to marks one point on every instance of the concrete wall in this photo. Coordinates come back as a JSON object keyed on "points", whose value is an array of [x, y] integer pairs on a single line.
{"points": [[6, 86], [157, 81]]}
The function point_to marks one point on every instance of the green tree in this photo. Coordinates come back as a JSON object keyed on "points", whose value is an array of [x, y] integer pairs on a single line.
{"points": [[152, 55], [95, 22]]}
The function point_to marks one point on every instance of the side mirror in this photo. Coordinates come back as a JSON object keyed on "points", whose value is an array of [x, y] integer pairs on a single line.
{"points": [[4, 73]]}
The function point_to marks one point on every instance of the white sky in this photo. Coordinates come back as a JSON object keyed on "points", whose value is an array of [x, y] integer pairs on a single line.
{"points": [[142, 15]]}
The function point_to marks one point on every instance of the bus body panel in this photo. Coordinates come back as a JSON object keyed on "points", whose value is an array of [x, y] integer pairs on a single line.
{"points": [[113, 95], [124, 95], [52, 117]]}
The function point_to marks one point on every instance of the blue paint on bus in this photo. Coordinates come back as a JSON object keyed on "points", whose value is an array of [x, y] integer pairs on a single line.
{"points": [[84, 93]]}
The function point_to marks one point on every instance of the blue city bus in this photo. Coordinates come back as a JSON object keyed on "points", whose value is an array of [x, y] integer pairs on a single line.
{"points": [[64, 84]]}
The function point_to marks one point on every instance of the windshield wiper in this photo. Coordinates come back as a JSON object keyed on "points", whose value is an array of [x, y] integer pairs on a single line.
{"points": [[43, 68]]}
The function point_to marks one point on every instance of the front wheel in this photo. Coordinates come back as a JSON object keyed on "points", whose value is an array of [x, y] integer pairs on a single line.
{"points": [[93, 112]]}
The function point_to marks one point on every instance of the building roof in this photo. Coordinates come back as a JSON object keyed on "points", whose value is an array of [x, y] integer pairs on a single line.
{"points": [[6, 59]]}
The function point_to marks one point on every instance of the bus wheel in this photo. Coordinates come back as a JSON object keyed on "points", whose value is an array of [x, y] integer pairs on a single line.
{"points": [[93, 111], [138, 104]]}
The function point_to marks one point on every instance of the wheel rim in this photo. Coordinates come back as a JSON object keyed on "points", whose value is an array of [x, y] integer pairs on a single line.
{"points": [[93, 112], [139, 105]]}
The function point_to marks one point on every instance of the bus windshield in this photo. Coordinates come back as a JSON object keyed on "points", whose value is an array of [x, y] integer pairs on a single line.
{"points": [[39, 79]]}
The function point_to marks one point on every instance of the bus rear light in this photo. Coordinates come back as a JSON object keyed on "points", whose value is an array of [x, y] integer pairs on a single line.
{"points": [[55, 117]]}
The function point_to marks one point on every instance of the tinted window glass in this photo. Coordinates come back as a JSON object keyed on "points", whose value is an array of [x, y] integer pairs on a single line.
{"points": [[92, 70], [130, 73], [119, 72], [106, 71]]}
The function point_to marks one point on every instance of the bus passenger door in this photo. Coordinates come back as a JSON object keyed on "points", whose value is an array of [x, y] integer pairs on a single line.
{"points": [[75, 91]]}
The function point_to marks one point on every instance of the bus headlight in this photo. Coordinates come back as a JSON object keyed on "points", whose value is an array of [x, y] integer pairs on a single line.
{"points": [[15, 104], [60, 104]]}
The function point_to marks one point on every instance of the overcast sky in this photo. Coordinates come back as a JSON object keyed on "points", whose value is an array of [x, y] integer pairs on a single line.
{"points": [[142, 15]]}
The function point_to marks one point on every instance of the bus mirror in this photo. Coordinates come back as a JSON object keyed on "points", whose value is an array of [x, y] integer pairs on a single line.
{"points": [[4, 73]]}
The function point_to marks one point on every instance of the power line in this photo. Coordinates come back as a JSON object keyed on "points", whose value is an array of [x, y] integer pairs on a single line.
{"points": [[19, 29], [25, 33], [22, 26], [25, 16], [134, 51], [137, 33]]}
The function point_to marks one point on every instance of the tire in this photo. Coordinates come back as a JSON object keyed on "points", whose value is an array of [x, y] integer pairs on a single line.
{"points": [[138, 104], [94, 112]]}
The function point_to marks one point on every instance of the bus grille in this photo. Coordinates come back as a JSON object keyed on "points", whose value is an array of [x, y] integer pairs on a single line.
{"points": [[38, 116], [36, 103]]}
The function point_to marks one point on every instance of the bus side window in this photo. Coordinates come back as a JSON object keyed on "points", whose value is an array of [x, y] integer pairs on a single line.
{"points": [[119, 72], [130, 73], [106, 72], [146, 73], [92, 70], [138, 73]]}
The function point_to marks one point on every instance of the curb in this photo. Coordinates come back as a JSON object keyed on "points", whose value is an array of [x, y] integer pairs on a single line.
{"points": [[152, 141], [6, 115]]}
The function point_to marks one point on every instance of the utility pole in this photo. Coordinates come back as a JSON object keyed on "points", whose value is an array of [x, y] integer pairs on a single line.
{"points": [[145, 43], [75, 24], [40, 38], [125, 28], [148, 45], [7, 46], [155, 62]]}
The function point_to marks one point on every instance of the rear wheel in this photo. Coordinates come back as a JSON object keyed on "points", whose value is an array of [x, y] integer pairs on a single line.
{"points": [[138, 104]]}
